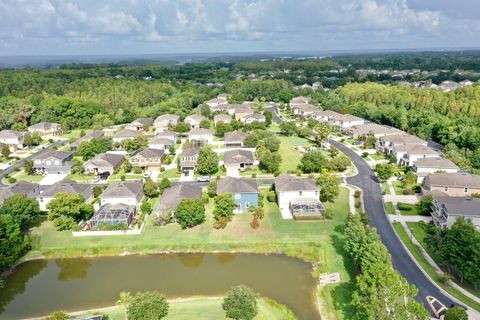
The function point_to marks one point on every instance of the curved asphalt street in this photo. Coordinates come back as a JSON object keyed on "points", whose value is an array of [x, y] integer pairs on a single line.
{"points": [[373, 202]]}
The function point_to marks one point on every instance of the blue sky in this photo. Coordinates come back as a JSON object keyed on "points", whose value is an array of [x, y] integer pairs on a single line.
{"points": [[67, 27]]}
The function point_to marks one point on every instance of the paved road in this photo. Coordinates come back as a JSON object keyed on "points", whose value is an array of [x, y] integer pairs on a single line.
{"points": [[21, 162], [372, 198], [273, 110]]}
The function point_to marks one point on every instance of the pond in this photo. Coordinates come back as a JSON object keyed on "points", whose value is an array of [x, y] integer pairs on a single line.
{"points": [[40, 287]]}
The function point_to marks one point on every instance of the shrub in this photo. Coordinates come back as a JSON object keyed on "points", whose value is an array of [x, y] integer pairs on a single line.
{"points": [[357, 194], [240, 303], [254, 175], [123, 177], [16, 169], [106, 226], [212, 188], [162, 169], [137, 170], [358, 204], [58, 315], [255, 223], [163, 218], [271, 196], [145, 208], [147, 306], [12, 180], [328, 214], [190, 212], [417, 188], [404, 207], [408, 192], [456, 313], [298, 173], [365, 154]]}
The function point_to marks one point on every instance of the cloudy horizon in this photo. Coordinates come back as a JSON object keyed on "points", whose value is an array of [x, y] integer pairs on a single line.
{"points": [[54, 27]]}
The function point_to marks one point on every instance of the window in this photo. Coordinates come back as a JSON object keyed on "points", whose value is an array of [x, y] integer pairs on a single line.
{"points": [[238, 196], [48, 162], [445, 188], [300, 193], [247, 204], [466, 190], [57, 162], [316, 193]]}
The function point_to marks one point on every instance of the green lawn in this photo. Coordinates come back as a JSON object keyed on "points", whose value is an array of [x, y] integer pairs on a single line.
{"points": [[290, 156], [319, 242], [385, 187], [389, 208], [75, 134], [128, 176], [377, 157], [23, 176], [249, 172], [206, 309], [420, 234], [410, 209], [170, 173], [398, 187], [429, 269]]}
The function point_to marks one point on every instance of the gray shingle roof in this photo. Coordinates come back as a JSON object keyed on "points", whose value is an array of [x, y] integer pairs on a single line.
{"points": [[235, 136], [190, 152], [43, 125], [88, 137], [105, 159], [21, 187], [201, 131], [237, 185], [61, 155], [123, 189], [172, 196], [238, 156], [68, 186], [128, 134], [151, 153], [285, 182], [453, 180], [437, 162], [11, 134], [461, 206]]}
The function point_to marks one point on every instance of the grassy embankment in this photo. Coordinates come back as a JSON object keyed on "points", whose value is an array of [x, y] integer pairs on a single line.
{"points": [[319, 242]]}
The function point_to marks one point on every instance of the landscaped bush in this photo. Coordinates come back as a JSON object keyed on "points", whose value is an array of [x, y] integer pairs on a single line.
{"points": [[408, 192], [105, 226], [17, 169], [271, 197], [357, 194], [404, 207], [365, 154], [417, 188], [12, 180], [312, 217]]}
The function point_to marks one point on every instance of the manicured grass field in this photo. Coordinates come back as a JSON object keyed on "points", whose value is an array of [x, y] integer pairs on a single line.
{"points": [[208, 309], [398, 187], [319, 242], [389, 208], [377, 157], [385, 187], [290, 156], [23, 176], [170, 173], [407, 209], [429, 269], [75, 134]]}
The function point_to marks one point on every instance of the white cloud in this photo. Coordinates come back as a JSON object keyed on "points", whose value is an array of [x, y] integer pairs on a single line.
{"points": [[204, 25]]}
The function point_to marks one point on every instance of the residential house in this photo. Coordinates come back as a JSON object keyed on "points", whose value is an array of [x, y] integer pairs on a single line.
{"points": [[95, 134], [325, 115], [226, 118], [201, 136], [240, 111], [12, 139], [221, 99], [448, 85], [425, 166], [67, 186], [126, 135], [125, 192], [409, 153], [46, 129], [346, 120], [194, 120], [244, 191], [171, 135], [254, 117], [171, 197], [104, 164], [304, 110], [234, 138], [452, 184], [189, 159], [162, 122], [148, 159], [113, 214], [161, 143], [445, 210], [139, 124], [238, 159], [371, 129], [31, 190], [386, 143], [298, 197], [53, 162], [300, 100]]}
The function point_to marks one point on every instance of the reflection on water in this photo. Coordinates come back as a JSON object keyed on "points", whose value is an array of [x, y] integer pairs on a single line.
{"points": [[43, 286]]}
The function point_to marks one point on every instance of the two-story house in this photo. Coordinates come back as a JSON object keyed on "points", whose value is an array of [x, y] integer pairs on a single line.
{"points": [[452, 184], [298, 197], [161, 143], [386, 143], [53, 162], [189, 159], [238, 159], [30, 190], [407, 154], [225, 118], [234, 139], [445, 210], [12, 139], [126, 135], [46, 129], [371, 129], [254, 117], [194, 120], [148, 159], [346, 120], [104, 164], [125, 192], [162, 122], [201, 136], [244, 192], [425, 166]]}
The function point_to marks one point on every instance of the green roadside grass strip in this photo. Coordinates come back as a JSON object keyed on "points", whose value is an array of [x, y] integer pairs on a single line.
{"points": [[385, 187], [420, 234], [398, 187], [389, 208], [429, 269]]}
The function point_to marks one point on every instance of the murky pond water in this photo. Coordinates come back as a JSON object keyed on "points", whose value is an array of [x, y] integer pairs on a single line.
{"points": [[42, 286]]}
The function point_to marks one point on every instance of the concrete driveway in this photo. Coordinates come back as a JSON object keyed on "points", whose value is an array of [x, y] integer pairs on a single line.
{"points": [[51, 179], [188, 177]]}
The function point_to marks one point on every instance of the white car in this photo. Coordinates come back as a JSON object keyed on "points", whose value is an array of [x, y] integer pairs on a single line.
{"points": [[147, 174]]}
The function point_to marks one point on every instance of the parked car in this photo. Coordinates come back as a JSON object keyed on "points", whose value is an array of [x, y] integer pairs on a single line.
{"points": [[147, 174], [96, 179], [203, 179]]}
